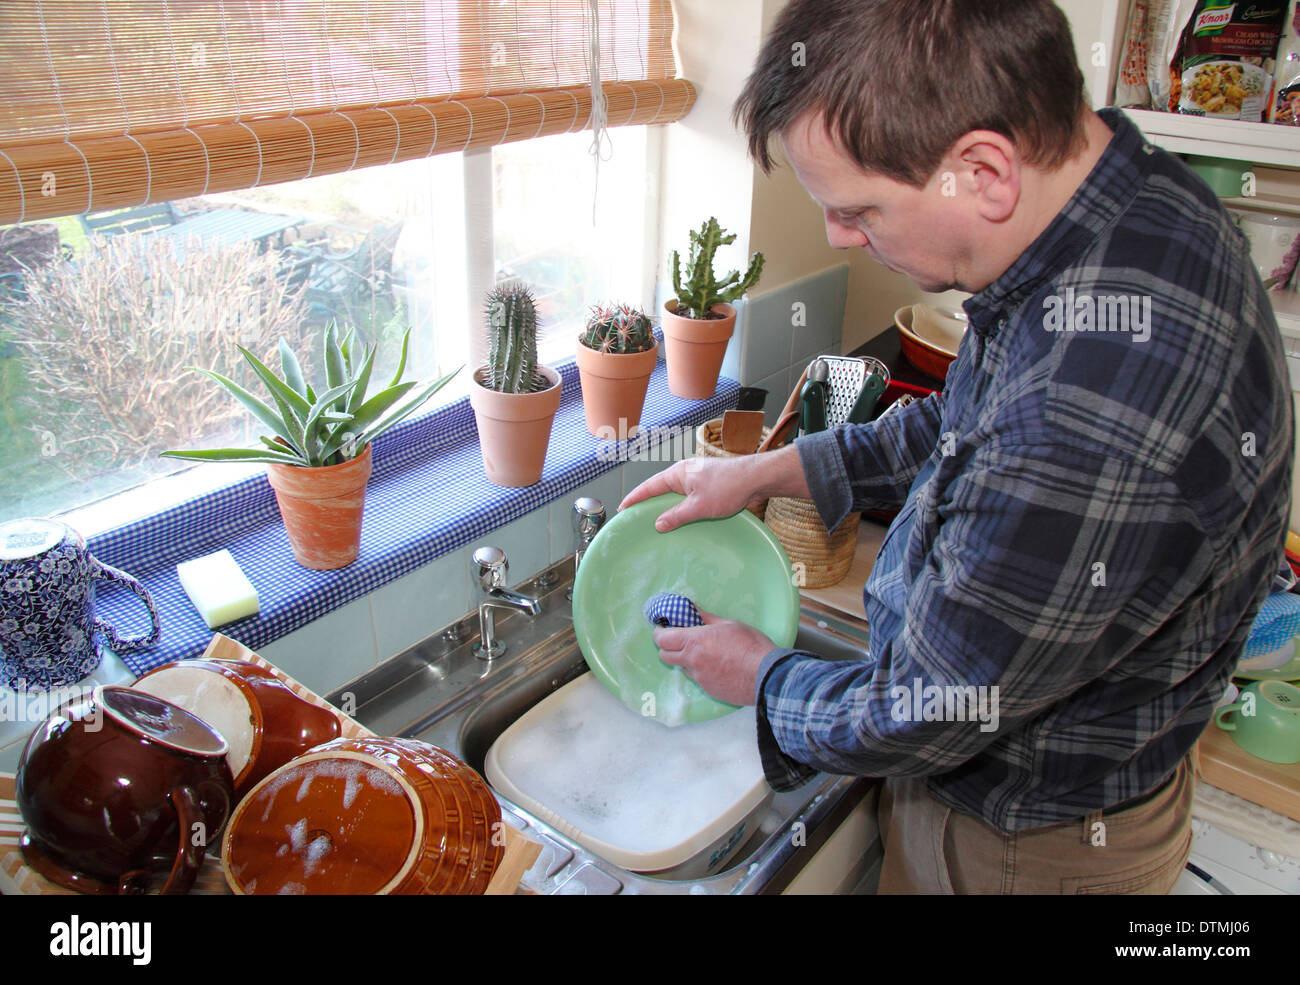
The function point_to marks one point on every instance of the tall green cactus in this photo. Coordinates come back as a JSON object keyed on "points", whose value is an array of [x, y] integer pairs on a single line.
{"points": [[512, 340], [702, 290]]}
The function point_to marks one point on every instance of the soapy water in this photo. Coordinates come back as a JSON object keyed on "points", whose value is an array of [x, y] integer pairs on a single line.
{"points": [[317, 849], [623, 778]]}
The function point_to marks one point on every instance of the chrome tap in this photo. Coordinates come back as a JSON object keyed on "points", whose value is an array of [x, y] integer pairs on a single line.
{"points": [[588, 518], [493, 570]]}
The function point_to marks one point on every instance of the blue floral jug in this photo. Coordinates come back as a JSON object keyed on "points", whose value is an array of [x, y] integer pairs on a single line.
{"points": [[48, 625]]}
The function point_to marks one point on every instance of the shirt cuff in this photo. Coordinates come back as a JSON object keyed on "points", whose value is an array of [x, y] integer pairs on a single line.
{"points": [[822, 456], [782, 772]]}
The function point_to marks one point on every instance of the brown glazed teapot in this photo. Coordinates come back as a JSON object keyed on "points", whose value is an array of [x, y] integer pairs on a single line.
{"points": [[117, 788]]}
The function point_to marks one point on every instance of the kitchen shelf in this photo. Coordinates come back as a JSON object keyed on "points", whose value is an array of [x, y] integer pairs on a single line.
{"points": [[1270, 202], [1259, 143]]}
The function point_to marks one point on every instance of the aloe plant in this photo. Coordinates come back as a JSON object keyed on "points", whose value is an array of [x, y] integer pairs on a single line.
{"points": [[702, 290], [618, 329], [312, 429], [512, 340]]}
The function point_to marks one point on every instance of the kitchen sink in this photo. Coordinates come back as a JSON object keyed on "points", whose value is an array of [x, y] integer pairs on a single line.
{"points": [[440, 692]]}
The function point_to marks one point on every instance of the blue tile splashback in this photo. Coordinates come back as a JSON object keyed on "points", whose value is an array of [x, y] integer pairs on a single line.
{"points": [[786, 327]]}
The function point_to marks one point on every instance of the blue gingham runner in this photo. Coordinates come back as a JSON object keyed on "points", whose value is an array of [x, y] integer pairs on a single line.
{"points": [[667, 609], [427, 496]]}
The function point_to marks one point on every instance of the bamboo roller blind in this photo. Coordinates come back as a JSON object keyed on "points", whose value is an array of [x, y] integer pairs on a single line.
{"points": [[117, 103]]}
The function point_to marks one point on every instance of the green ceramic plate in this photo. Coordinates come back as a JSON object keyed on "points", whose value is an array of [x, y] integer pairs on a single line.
{"points": [[1289, 671], [734, 568]]}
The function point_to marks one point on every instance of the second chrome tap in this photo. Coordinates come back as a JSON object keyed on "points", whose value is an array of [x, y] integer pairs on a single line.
{"points": [[492, 569]]}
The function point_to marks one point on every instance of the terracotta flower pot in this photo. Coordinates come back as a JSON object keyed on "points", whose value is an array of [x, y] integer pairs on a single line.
{"points": [[322, 510], [514, 429], [695, 349], [614, 387]]}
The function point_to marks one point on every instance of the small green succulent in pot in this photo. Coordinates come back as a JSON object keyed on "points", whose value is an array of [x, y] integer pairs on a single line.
{"points": [[311, 429], [512, 340], [701, 289], [618, 329]]}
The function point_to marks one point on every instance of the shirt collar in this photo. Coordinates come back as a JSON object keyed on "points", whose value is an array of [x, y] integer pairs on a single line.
{"points": [[1105, 194]]}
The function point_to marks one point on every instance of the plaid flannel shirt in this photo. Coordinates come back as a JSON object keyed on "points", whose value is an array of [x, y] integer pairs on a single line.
{"points": [[1090, 519]]}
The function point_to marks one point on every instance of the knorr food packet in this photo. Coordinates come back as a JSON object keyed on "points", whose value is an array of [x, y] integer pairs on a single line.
{"points": [[1225, 59]]}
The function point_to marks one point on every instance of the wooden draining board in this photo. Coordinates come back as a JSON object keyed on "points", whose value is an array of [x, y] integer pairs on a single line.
{"points": [[1222, 763], [17, 879]]}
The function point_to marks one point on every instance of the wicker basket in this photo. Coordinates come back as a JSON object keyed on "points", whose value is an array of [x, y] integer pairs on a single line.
{"points": [[826, 558], [708, 444]]}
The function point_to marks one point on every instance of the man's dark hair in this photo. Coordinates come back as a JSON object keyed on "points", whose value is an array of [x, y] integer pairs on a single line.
{"points": [[899, 81]]}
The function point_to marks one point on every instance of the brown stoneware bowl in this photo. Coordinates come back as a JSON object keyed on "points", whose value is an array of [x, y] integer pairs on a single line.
{"points": [[929, 338], [263, 722], [120, 790], [363, 816]]}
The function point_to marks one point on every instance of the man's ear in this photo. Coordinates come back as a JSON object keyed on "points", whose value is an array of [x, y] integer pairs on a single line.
{"points": [[988, 166]]}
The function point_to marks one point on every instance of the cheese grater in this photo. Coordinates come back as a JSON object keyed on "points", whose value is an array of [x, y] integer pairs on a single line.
{"points": [[847, 374]]}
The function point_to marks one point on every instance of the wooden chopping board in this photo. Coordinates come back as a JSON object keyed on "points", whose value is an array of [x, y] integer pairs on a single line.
{"points": [[19, 880]]}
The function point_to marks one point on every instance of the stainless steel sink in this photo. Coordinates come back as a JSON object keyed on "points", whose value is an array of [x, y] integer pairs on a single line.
{"points": [[440, 692]]}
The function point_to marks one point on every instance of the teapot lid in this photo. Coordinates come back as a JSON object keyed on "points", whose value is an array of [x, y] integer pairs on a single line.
{"points": [[31, 536]]}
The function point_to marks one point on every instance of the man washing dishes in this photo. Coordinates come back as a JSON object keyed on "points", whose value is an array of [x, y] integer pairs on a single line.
{"points": [[1089, 518]]}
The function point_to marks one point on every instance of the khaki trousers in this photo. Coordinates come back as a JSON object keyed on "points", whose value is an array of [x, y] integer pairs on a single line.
{"points": [[930, 848]]}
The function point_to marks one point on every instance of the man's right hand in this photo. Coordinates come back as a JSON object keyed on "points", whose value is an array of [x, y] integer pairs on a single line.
{"points": [[718, 487]]}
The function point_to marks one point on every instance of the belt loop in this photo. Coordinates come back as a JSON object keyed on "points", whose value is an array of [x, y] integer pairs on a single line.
{"points": [[1090, 822]]}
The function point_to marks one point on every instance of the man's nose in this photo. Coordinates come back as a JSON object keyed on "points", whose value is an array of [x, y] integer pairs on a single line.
{"points": [[841, 236]]}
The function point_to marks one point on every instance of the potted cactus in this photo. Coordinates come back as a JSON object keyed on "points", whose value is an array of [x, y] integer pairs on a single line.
{"points": [[318, 457], [617, 353], [699, 321], [514, 399]]}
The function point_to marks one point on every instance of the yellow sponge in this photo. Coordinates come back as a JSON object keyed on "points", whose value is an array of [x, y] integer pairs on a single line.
{"points": [[218, 588]]}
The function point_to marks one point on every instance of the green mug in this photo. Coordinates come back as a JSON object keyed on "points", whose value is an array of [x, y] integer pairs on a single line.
{"points": [[1265, 721]]}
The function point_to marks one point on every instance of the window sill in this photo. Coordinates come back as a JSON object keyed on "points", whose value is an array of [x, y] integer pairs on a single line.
{"points": [[427, 497]]}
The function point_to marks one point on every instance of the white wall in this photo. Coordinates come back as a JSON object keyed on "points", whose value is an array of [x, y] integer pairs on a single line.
{"points": [[707, 171]]}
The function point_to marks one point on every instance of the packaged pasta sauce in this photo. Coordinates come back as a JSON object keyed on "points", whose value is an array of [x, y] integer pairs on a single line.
{"points": [[1224, 63]]}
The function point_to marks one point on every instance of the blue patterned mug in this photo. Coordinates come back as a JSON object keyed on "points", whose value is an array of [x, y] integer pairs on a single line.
{"points": [[47, 606]]}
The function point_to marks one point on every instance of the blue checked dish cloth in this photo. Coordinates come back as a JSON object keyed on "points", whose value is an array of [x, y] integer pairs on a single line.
{"points": [[667, 609]]}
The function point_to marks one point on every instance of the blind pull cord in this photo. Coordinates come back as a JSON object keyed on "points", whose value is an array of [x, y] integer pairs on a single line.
{"points": [[600, 139]]}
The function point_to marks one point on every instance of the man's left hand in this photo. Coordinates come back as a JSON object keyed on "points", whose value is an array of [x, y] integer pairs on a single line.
{"points": [[722, 656]]}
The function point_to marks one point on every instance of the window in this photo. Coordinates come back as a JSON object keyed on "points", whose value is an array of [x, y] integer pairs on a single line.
{"points": [[98, 337], [101, 313]]}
